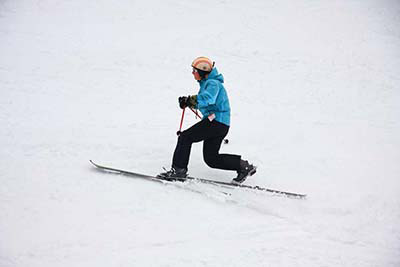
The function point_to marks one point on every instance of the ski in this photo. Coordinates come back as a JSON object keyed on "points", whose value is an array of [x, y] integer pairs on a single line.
{"points": [[202, 180], [147, 177], [251, 187], [128, 173]]}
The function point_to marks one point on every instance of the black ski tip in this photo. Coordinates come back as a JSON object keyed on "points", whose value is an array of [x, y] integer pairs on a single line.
{"points": [[253, 171], [91, 161], [95, 164]]}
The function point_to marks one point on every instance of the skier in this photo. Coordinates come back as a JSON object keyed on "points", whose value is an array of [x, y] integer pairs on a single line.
{"points": [[212, 101]]}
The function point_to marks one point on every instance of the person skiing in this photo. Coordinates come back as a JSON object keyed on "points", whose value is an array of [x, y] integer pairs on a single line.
{"points": [[212, 101]]}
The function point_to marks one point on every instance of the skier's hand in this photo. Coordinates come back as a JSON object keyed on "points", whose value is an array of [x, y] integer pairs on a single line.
{"points": [[183, 102], [192, 101], [187, 101]]}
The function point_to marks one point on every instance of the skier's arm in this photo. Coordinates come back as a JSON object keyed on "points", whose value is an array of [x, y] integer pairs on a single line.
{"points": [[208, 97]]}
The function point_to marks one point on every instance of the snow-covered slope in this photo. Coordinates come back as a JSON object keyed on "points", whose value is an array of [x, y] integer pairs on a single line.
{"points": [[314, 91]]}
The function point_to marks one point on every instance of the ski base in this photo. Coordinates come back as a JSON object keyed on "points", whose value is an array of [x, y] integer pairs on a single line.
{"points": [[202, 180]]}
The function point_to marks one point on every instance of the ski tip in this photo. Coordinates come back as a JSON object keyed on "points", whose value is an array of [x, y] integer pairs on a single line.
{"points": [[94, 164]]}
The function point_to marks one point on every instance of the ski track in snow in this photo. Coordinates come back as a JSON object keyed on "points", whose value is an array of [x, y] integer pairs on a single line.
{"points": [[313, 87]]}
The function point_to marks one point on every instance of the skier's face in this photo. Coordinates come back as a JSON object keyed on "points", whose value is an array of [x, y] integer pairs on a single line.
{"points": [[196, 74]]}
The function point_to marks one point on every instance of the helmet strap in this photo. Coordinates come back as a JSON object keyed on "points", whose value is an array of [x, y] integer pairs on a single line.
{"points": [[202, 73]]}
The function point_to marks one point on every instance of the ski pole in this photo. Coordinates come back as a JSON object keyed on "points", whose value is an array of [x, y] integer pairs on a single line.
{"points": [[196, 113], [180, 127]]}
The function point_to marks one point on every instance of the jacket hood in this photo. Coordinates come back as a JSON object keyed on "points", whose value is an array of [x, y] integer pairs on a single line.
{"points": [[214, 75]]}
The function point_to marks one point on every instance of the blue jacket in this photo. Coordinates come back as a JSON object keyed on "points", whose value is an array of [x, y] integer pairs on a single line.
{"points": [[212, 98]]}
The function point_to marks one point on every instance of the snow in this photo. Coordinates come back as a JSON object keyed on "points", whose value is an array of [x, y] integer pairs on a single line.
{"points": [[314, 90]]}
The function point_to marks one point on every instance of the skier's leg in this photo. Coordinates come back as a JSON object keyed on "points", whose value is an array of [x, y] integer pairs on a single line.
{"points": [[219, 161], [196, 133], [211, 148]]}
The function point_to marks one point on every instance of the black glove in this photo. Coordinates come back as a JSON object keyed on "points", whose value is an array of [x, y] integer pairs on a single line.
{"points": [[187, 101], [183, 102]]}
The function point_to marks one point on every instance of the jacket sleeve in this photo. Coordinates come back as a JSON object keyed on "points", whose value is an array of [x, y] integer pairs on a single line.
{"points": [[207, 98]]}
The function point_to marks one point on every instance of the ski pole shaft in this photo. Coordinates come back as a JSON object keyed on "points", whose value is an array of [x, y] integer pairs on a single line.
{"points": [[180, 126], [196, 113]]}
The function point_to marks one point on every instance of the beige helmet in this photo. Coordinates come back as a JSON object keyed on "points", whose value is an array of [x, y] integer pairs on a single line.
{"points": [[203, 64]]}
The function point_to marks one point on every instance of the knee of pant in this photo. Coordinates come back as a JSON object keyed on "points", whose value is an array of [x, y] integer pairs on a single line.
{"points": [[211, 161], [183, 137]]}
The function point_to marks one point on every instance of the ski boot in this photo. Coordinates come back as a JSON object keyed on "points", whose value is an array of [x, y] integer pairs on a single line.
{"points": [[175, 174], [245, 171]]}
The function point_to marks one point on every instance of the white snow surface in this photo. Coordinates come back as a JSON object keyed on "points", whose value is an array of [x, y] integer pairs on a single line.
{"points": [[315, 96]]}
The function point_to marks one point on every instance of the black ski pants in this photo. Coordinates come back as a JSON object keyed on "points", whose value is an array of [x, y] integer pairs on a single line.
{"points": [[212, 133]]}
